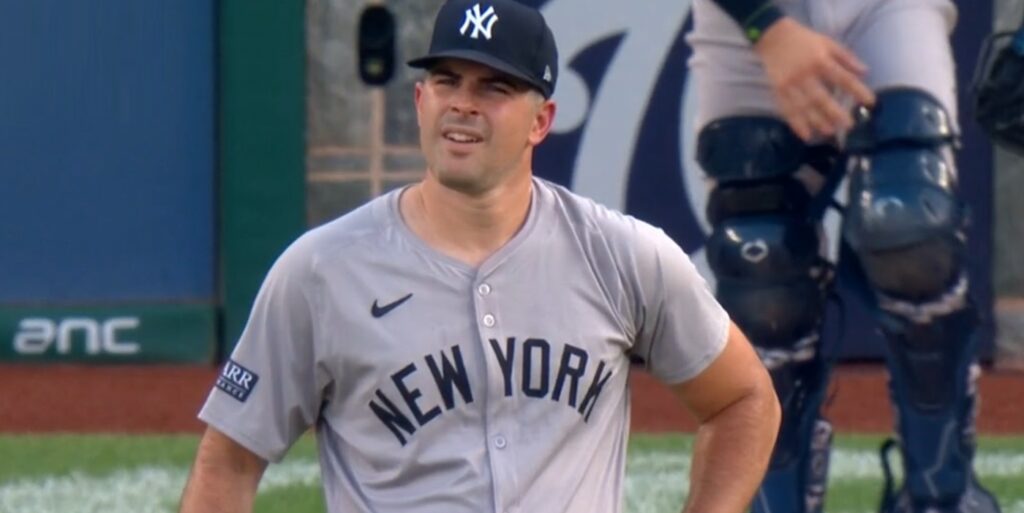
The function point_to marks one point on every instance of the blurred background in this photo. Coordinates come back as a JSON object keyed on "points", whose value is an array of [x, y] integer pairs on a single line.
{"points": [[158, 156]]}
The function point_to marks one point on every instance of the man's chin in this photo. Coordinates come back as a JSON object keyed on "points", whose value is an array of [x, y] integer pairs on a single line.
{"points": [[465, 183]]}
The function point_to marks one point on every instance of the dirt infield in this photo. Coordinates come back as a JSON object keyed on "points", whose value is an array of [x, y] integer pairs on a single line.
{"points": [[165, 399]]}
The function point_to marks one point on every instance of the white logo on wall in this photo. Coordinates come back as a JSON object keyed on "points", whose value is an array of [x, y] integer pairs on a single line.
{"points": [[36, 335], [612, 116], [477, 19]]}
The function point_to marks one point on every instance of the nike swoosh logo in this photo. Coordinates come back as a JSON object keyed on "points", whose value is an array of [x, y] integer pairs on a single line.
{"points": [[379, 311]]}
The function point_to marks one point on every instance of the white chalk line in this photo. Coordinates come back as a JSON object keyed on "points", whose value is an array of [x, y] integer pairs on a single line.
{"points": [[655, 483]]}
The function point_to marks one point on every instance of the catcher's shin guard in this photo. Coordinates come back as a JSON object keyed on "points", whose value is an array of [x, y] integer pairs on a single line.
{"points": [[933, 385], [797, 476]]}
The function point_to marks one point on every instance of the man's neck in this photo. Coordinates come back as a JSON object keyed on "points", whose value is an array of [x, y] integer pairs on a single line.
{"points": [[469, 228]]}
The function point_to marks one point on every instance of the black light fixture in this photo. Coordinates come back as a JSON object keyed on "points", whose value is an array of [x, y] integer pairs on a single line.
{"points": [[376, 45]]}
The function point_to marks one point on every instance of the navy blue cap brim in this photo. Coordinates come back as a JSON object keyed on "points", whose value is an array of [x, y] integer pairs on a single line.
{"points": [[428, 61]]}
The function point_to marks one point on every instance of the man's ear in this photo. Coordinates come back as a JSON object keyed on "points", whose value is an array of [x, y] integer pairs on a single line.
{"points": [[542, 122], [417, 97]]}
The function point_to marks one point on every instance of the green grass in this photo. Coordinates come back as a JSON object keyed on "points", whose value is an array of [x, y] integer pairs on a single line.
{"points": [[27, 456], [110, 473], [292, 498]]}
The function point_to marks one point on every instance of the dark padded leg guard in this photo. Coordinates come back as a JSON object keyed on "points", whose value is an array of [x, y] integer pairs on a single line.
{"points": [[798, 474], [933, 385], [905, 222], [766, 252]]}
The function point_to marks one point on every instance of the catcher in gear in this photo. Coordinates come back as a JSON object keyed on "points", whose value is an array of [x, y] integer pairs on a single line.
{"points": [[775, 82]]}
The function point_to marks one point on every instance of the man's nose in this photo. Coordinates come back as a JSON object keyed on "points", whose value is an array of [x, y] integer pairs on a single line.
{"points": [[463, 101]]}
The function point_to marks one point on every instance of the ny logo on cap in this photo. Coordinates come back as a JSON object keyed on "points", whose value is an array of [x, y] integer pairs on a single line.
{"points": [[478, 19]]}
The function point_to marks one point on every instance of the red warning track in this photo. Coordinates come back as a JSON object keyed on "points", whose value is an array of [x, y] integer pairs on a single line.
{"points": [[165, 399]]}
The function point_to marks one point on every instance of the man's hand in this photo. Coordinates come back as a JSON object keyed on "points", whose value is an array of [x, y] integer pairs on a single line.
{"points": [[805, 69]]}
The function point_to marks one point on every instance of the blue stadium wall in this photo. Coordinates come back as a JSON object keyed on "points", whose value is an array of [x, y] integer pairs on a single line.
{"points": [[138, 210]]}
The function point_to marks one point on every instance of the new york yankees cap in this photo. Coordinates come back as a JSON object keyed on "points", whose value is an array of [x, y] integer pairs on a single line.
{"points": [[503, 34]]}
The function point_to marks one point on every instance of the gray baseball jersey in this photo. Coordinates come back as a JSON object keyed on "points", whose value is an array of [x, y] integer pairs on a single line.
{"points": [[435, 386]]}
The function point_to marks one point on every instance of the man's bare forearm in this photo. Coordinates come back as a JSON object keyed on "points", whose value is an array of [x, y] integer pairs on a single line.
{"points": [[221, 494], [224, 478], [731, 454]]}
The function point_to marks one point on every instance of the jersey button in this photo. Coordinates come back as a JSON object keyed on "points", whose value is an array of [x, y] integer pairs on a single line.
{"points": [[483, 289], [488, 320], [500, 442]]}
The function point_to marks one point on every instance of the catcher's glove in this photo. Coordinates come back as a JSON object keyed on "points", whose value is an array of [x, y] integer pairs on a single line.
{"points": [[998, 89]]}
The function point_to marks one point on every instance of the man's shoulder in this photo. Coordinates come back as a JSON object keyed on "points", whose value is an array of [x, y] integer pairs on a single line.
{"points": [[585, 213], [348, 232]]}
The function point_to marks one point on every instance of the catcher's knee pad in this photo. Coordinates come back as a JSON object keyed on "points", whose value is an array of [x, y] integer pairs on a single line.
{"points": [[797, 476], [764, 251], [904, 220]]}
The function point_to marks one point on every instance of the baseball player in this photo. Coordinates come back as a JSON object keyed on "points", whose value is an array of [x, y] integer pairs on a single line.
{"points": [[464, 344], [794, 97]]}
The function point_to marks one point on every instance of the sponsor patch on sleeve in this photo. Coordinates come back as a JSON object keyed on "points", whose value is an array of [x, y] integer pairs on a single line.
{"points": [[237, 381]]}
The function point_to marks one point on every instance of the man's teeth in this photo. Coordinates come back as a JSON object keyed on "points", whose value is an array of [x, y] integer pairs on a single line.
{"points": [[462, 138]]}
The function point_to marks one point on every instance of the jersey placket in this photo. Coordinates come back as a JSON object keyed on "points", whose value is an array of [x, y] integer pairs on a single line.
{"points": [[498, 418]]}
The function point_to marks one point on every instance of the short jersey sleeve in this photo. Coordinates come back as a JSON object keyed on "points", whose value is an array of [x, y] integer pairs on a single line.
{"points": [[680, 326], [267, 394]]}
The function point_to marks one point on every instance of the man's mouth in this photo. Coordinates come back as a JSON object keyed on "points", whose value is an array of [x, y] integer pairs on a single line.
{"points": [[461, 137]]}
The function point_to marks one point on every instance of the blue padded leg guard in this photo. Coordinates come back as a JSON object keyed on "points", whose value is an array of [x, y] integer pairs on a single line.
{"points": [[766, 253], [933, 385], [905, 222], [797, 476]]}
